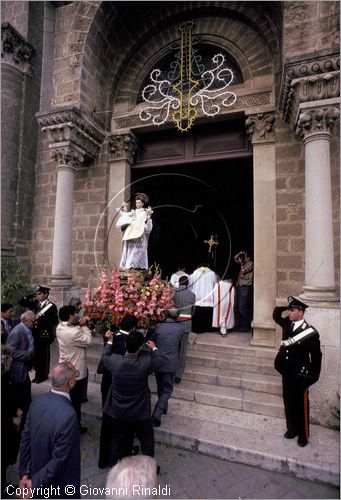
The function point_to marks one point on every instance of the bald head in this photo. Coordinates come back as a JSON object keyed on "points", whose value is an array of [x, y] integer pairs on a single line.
{"points": [[63, 376], [28, 318]]}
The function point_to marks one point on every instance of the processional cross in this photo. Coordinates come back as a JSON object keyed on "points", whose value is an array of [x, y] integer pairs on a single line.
{"points": [[212, 245]]}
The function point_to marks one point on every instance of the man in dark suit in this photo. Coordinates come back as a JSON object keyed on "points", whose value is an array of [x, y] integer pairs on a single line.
{"points": [[299, 363], [128, 324], [50, 443], [168, 336], [20, 342], [44, 331], [184, 300], [128, 402]]}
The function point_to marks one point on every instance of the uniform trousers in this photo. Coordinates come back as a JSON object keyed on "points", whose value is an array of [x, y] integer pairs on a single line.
{"points": [[121, 434], [296, 405], [165, 383]]}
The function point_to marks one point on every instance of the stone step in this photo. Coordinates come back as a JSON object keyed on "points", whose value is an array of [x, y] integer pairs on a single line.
{"points": [[242, 437], [221, 396], [233, 361], [233, 343]]}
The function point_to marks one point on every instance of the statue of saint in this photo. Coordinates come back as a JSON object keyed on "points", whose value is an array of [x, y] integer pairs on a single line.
{"points": [[137, 225]]}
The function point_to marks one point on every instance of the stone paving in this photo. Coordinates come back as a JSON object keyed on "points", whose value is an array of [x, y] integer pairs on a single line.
{"points": [[196, 476]]}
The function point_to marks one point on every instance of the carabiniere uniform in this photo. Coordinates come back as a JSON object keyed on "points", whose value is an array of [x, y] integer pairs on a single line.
{"points": [[43, 331], [299, 363]]}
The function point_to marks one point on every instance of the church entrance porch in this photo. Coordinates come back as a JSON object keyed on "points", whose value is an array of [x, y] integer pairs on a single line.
{"points": [[193, 202]]}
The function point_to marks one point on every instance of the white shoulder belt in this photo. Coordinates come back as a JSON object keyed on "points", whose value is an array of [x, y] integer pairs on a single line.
{"points": [[298, 337], [43, 311]]}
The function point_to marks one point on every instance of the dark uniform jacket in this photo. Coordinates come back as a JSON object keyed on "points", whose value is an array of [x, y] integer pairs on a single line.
{"points": [[302, 360], [45, 326], [129, 396]]}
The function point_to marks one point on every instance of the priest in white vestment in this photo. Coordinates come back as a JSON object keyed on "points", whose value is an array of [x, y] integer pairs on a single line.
{"points": [[137, 226], [202, 282], [223, 299]]}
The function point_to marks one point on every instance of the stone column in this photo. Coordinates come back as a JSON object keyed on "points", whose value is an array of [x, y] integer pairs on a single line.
{"points": [[261, 130], [315, 123], [67, 160], [73, 141], [16, 58], [122, 153]]}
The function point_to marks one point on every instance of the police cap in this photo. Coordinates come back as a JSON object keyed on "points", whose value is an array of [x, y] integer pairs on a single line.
{"points": [[42, 289], [295, 303]]}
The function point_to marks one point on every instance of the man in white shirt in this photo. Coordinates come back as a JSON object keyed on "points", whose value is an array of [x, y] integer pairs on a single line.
{"points": [[73, 340]]}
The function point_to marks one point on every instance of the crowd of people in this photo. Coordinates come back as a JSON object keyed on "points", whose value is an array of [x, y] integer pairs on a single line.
{"points": [[47, 430]]}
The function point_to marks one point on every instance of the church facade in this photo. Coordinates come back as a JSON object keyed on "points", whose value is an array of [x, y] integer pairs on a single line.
{"points": [[262, 173]]}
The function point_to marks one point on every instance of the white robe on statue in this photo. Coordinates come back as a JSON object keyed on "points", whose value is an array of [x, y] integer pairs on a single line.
{"points": [[135, 250], [223, 315], [201, 282]]}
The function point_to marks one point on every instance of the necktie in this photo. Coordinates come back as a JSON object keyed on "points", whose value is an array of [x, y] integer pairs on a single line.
{"points": [[292, 327]]}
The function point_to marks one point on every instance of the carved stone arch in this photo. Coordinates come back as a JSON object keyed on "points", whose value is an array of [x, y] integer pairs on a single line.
{"points": [[103, 37], [244, 45]]}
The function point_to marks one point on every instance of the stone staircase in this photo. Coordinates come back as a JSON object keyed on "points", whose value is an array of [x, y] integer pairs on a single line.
{"points": [[229, 405], [222, 372]]}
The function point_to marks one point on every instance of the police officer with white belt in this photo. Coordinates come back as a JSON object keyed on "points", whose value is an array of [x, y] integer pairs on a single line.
{"points": [[299, 363]]}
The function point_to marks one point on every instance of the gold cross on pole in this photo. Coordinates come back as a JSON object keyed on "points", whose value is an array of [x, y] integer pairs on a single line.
{"points": [[211, 242]]}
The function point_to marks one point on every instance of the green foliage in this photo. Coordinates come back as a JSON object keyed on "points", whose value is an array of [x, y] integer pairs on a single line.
{"points": [[13, 283]]}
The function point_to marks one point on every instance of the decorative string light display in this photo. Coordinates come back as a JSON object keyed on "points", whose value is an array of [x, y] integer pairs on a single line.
{"points": [[183, 99]]}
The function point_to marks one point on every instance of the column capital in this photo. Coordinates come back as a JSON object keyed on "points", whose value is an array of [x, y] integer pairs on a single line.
{"points": [[67, 158], [14, 48], [260, 128], [317, 121], [315, 78], [67, 128], [123, 147]]}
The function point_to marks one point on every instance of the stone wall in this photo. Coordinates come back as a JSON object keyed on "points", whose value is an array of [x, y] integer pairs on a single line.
{"points": [[21, 78], [16, 13], [90, 194], [310, 26]]}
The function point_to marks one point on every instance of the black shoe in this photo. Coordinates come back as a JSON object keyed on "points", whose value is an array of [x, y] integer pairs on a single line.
{"points": [[156, 422], [302, 441], [135, 450], [83, 429], [243, 330], [85, 400], [290, 435], [165, 412], [177, 380]]}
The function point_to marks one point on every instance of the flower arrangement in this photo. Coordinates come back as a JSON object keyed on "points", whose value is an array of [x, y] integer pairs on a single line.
{"points": [[112, 301]]}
